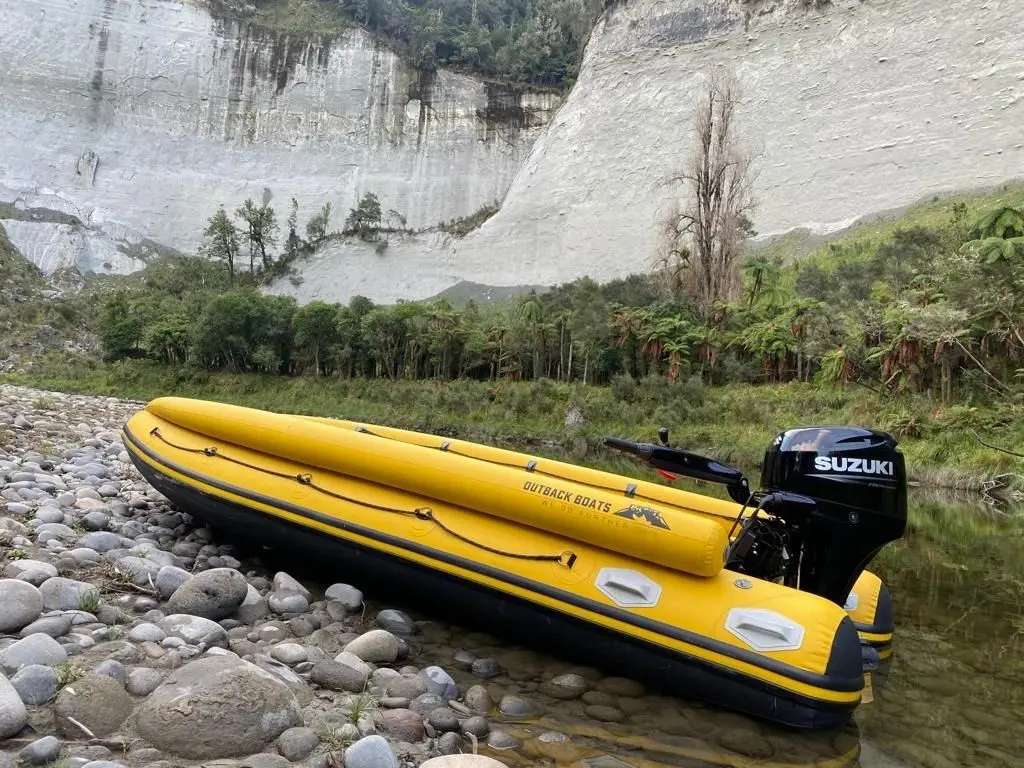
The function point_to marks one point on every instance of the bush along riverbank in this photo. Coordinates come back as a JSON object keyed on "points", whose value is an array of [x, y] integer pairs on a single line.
{"points": [[734, 422]]}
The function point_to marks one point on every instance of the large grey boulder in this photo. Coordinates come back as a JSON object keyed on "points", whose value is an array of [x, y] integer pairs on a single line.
{"points": [[13, 715], [217, 706], [214, 594], [20, 604]]}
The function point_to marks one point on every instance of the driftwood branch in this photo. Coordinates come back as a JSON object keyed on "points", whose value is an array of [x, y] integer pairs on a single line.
{"points": [[995, 447]]}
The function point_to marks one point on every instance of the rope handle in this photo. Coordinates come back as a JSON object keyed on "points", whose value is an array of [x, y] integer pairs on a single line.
{"points": [[566, 558]]}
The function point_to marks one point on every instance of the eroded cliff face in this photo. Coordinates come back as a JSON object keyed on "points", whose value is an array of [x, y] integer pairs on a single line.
{"points": [[132, 121], [856, 107]]}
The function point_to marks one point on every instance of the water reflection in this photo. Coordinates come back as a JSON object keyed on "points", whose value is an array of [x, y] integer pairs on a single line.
{"points": [[951, 694]]}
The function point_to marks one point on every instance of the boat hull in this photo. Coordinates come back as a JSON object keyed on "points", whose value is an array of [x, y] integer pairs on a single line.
{"points": [[676, 642]]}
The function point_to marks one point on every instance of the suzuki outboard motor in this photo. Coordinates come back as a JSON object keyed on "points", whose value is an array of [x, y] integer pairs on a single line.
{"points": [[857, 481], [830, 499]]}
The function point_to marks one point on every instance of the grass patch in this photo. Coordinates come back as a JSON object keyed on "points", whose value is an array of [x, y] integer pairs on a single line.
{"points": [[89, 601], [69, 672], [733, 422]]}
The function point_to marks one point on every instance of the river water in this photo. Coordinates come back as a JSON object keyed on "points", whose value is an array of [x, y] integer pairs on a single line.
{"points": [[952, 694]]}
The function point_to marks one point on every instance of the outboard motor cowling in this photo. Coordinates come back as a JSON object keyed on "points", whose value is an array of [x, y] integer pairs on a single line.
{"points": [[857, 480], [830, 499]]}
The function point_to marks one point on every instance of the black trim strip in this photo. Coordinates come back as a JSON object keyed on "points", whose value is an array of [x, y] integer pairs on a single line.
{"points": [[827, 682]]}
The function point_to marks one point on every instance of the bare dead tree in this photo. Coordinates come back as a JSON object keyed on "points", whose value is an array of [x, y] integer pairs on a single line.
{"points": [[707, 224]]}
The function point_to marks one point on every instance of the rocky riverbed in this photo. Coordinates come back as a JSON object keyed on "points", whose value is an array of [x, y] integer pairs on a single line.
{"points": [[131, 636]]}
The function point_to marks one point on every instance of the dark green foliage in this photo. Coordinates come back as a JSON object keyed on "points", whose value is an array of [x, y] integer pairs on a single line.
{"points": [[120, 328], [537, 43], [527, 43], [365, 219], [917, 311]]}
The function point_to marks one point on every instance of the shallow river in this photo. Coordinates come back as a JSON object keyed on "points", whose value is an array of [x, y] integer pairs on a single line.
{"points": [[952, 695]]}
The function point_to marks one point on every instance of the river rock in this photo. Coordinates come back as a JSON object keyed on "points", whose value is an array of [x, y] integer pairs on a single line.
{"points": [[35, 572], [449, 744], [403, 724], [375, 646], [289, 653], [406, 686], [297, 743], [370, 752], [96, 701], [217, 706], [13, 715], [486, 668], [345, 594], [61, 594], [113, 669], [440, 682], [169, 579], [146, 632], [42, 751], [463, 761], [620, 686], [20, 604], [287, 602], [263, 760], [396, 622], [516, 706], [443, 719], [425, 703], [502, 740], [54, 626], [568, 686], [479, 700], [34, 649], [36, 684], [142, 681], [195, 630], [95, 521], [253, 608], [100, 541], [476, 725], [214, 594], [604, 713], [283, 582], [344, 673]]}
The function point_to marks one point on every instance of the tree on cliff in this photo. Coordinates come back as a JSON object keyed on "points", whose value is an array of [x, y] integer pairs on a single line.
{"points": [[262, 228], [708, 223], [364, 220], [222, 240]]}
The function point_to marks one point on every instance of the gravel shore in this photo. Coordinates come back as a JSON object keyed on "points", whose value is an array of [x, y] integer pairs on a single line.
{"points": [[130, 637]]}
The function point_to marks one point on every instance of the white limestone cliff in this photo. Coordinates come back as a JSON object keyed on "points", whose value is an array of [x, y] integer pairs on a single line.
{"points": [[138, 118], [856, 107]]}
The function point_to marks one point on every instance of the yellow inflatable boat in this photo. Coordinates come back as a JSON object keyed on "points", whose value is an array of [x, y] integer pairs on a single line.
{"points": [[633, 576], [868, 603]]}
